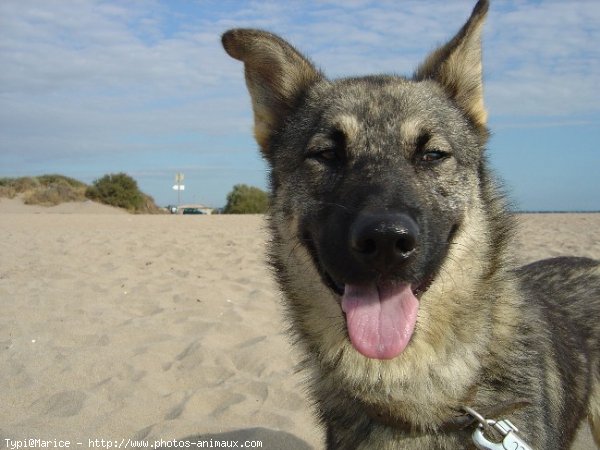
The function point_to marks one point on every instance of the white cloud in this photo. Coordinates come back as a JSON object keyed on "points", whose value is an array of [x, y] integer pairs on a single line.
{"points": [[83, 77], [543, 59], [77, 67], [538, 57]]}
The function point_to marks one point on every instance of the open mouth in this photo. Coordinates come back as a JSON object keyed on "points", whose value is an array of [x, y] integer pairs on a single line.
{"points": [[380, 318], [380, 314], [380, 310], [418, 289]]}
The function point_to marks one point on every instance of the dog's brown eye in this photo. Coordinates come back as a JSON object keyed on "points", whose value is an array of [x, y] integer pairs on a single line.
{"points": [[328, 155], [324, 155], [434, 156], [328, 148]]}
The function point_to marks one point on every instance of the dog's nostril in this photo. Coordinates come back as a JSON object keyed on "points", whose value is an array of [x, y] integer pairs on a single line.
{"points": [[405, 244]]}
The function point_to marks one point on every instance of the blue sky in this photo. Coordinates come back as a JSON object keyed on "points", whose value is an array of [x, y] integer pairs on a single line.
{"points": [[143, 87]]}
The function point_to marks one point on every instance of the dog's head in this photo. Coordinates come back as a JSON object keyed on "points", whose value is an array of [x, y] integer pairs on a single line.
{"points": [[376, 173]]}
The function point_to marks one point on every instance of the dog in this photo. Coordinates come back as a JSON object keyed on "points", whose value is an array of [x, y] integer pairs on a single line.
{"points": [[392, 244]]}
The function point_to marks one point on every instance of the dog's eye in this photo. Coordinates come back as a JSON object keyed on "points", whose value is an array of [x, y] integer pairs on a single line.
{"points": [[432, 156], [329, 156], [326, 155], [328, 149]]}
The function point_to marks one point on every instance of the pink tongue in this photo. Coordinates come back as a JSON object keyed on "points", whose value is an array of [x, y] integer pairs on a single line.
{"points": [[380, 319]]}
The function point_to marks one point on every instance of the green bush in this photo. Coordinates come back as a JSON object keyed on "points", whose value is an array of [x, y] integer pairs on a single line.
{"points": [[118, 190], [244, 199]]}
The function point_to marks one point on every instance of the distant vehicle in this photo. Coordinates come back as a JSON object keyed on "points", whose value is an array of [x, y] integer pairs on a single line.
{"points": [[192, 211]]}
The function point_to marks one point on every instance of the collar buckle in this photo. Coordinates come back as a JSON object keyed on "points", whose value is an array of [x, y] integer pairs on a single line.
{"points": [[510, 440]]}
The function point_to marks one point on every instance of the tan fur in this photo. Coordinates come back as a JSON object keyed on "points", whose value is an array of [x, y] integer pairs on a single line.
{"points": [[276, 74], [348, 124], [594, 411], [457, 67], [410, 130]]}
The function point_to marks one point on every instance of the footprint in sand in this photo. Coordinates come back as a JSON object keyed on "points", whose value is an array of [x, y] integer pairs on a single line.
{"points": [[65, 403]]}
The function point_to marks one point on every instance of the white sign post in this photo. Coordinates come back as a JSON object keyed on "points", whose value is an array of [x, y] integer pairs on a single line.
{"points": [[179, 187]]}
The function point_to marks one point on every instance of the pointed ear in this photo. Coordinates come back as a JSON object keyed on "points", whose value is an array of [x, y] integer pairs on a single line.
{"points": [[457, 67], [276, 76]]}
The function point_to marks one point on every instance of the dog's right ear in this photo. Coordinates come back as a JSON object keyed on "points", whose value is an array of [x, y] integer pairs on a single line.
{"points": [[276, 75], [456, 66]]}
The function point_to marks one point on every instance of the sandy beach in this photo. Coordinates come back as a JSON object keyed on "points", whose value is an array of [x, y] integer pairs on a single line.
{"points": [[118, 328]]}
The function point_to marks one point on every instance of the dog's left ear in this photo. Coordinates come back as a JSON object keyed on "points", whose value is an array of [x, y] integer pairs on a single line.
{"points": [[276, 75], [457, 67]]}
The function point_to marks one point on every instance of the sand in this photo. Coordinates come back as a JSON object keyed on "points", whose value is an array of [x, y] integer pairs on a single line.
{"points": [[118, 327]]}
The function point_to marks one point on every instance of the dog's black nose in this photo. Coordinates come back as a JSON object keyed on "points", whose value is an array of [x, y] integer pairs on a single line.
{"points": [[383, 240]]}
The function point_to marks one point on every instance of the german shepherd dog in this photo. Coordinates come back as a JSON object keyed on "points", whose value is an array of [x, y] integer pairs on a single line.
{"points": [[392, 245]]}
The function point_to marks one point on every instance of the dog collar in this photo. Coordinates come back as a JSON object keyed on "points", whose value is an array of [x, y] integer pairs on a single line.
{"points": [[461, 421]]}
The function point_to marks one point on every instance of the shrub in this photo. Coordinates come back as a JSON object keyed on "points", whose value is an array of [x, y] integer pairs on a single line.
{"points": [[117, 190], [7, 191], [13, 186], [244, 199], [55, 191], [46, 190], [149, 206], [53, 179]]}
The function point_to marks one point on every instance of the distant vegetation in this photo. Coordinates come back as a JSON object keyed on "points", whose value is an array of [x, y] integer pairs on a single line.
{"points": [[45, 190], [244, 199], [121, 190], [48, 190]]}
